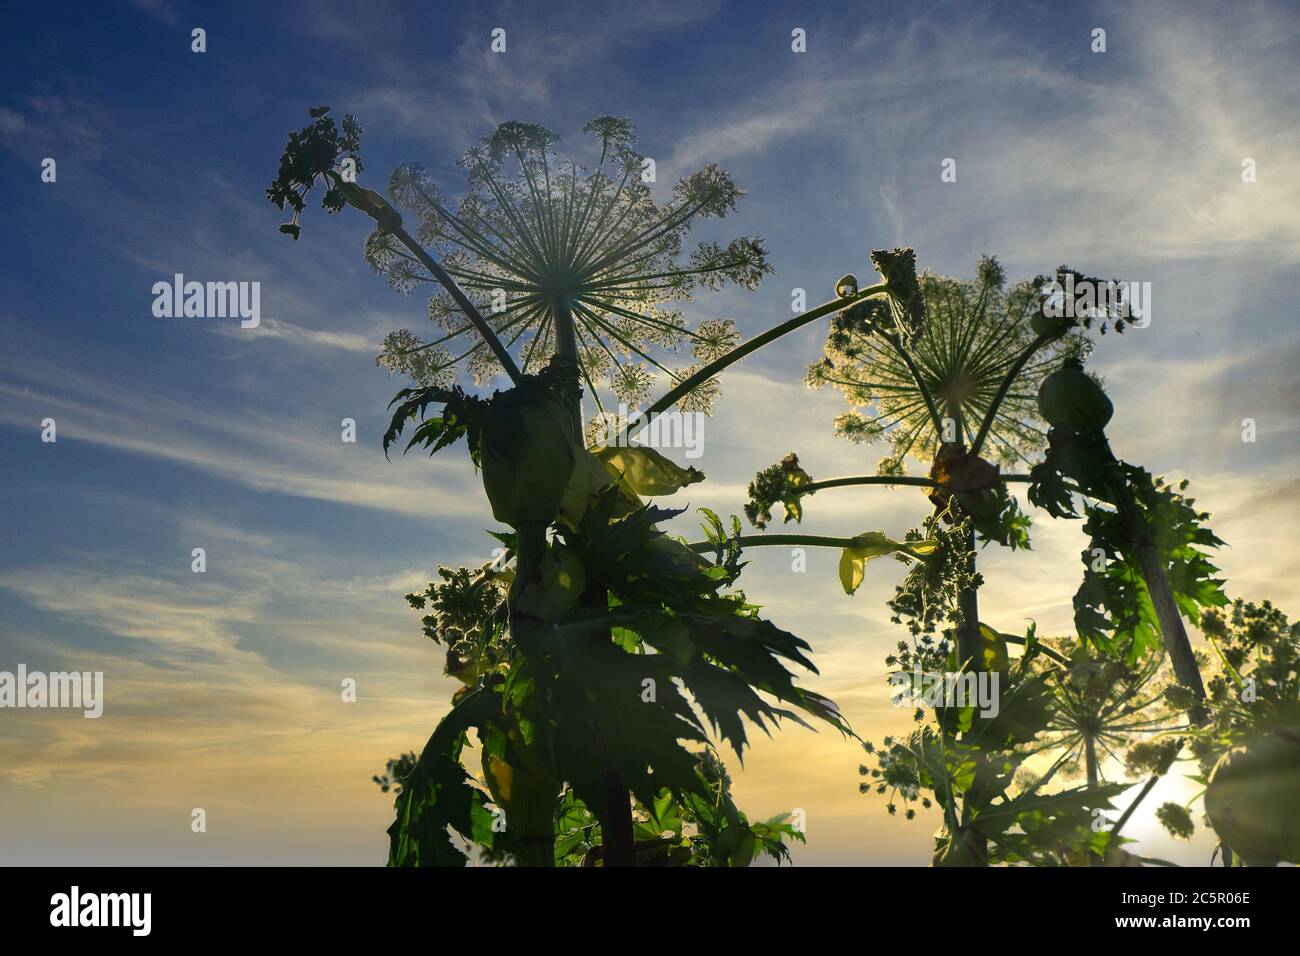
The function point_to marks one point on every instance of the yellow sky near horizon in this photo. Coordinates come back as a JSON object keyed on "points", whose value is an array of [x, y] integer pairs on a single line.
{"points": [[282, 766]]}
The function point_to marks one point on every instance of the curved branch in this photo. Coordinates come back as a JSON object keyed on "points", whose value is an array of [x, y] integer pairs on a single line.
{"points": [[933, 409], [1003, 388], [462, 300], [882, 480], [744, 348], [863, 480]]}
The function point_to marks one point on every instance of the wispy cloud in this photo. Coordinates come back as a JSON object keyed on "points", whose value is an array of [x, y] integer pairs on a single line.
{"points": [[160, 9], [298, 335], [1051, 152], [268, 453]]}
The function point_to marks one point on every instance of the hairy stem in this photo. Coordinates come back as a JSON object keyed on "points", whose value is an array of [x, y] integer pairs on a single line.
{"points": [[537, 849]]}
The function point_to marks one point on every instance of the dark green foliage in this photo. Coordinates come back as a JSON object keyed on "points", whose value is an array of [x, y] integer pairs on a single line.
{"points": [[928, 595], [460, 414], [996, 516], [459, 605], [779, 483], [395, 771], [1087, 316], [703, 827], [968, 769], [1258, 686], [614, 686], [311, 154], [1175, 819], [1112, 606], [898, 268], [726, 553], [437, 794]]}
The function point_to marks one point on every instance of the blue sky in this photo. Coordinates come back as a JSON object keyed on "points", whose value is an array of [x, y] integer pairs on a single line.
{"points": [[183, 433]]}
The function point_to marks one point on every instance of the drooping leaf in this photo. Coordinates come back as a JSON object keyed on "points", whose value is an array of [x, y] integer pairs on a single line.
{"points": [[874, 544], [646, 471]]}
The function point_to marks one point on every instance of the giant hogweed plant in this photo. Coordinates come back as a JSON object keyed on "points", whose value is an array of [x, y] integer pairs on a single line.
{"points": [[551, 650], [991, 379], [598, 661]]}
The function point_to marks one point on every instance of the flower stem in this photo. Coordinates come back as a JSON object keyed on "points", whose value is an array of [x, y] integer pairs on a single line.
{"points": [[1003, 388], [462, 300], [780, 540], [1128, 812], [882, 480], [740, 351]]}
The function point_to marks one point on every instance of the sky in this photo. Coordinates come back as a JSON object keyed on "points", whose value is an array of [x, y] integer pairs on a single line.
{"points": [[223, 688]]}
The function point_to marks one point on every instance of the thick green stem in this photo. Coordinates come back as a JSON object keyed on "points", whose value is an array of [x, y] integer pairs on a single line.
{"points": [[530, 549], [1090, 759], [812, 486], [882, 480], [969, 641], [619, 844], [1143, 550], [566, 337], [1128, 812], [536, 849], [970, 646], [968, 632], [1142, 546], [616, 814]]}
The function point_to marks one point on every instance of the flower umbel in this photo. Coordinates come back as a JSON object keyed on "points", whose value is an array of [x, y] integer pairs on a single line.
{"points": [[550, 249], [972, 334]]}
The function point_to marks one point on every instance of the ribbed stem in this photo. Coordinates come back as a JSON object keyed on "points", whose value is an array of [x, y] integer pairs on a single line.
{"points": [[970, 654], [780, 540], [1090, 759], [1141, 548]]}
